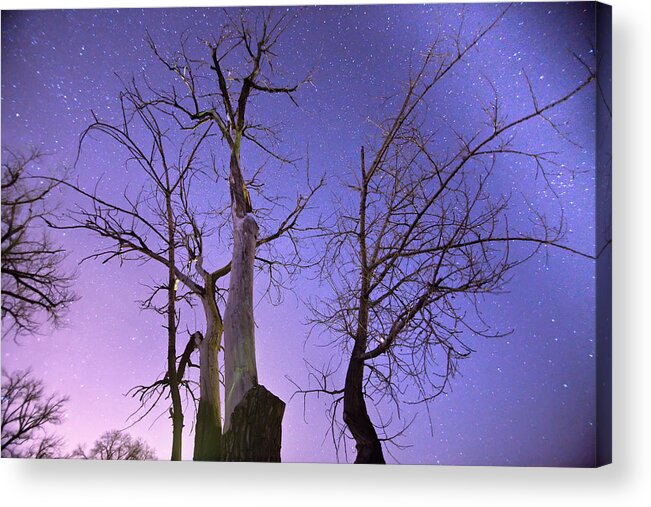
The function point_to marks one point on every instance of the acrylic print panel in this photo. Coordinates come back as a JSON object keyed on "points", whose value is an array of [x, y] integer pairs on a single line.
{"points": [[371, 234]]}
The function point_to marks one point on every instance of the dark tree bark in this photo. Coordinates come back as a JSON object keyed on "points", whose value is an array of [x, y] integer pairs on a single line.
{"points": [[367, 443], [175, 394], [256, 428]]}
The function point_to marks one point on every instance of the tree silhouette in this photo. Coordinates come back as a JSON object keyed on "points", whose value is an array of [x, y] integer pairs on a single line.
{"points": [[27, 414], [34, 281], [116, 445], [427, 237]]}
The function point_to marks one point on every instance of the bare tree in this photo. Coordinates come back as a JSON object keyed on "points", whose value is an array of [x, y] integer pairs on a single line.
{"points": [[154, 223], [241, 60], [116, 445], [135, 229], [427, 238], [27, 414], [34, 281]]}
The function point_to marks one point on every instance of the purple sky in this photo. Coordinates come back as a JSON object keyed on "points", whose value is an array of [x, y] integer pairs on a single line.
{"points": [[527, 399]]}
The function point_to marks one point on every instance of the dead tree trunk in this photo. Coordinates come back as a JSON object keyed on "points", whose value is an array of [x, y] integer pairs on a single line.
{"points": [[239, 338], [240, 370], [255, 432]]}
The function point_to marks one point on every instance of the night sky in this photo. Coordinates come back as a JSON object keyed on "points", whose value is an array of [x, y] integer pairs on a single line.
{"points": [[525, 399]]}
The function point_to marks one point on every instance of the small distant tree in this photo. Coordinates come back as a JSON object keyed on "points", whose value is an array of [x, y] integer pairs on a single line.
{"points": [[27, 413], [34, 281], [116, 445]]}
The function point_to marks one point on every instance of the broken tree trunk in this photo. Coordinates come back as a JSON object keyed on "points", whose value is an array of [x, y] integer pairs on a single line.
{"points": [[256, 428]]}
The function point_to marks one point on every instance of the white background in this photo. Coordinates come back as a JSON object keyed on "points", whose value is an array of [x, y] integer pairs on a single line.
{"points": [[626, 482]]}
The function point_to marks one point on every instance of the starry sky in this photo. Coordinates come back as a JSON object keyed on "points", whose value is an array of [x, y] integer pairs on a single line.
{"points": [[525, 399]]}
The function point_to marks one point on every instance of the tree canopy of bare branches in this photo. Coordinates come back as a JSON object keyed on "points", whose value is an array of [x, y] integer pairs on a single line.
{"points": [[428, 236], [116, 445], [27, 414], [35, 285]]}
